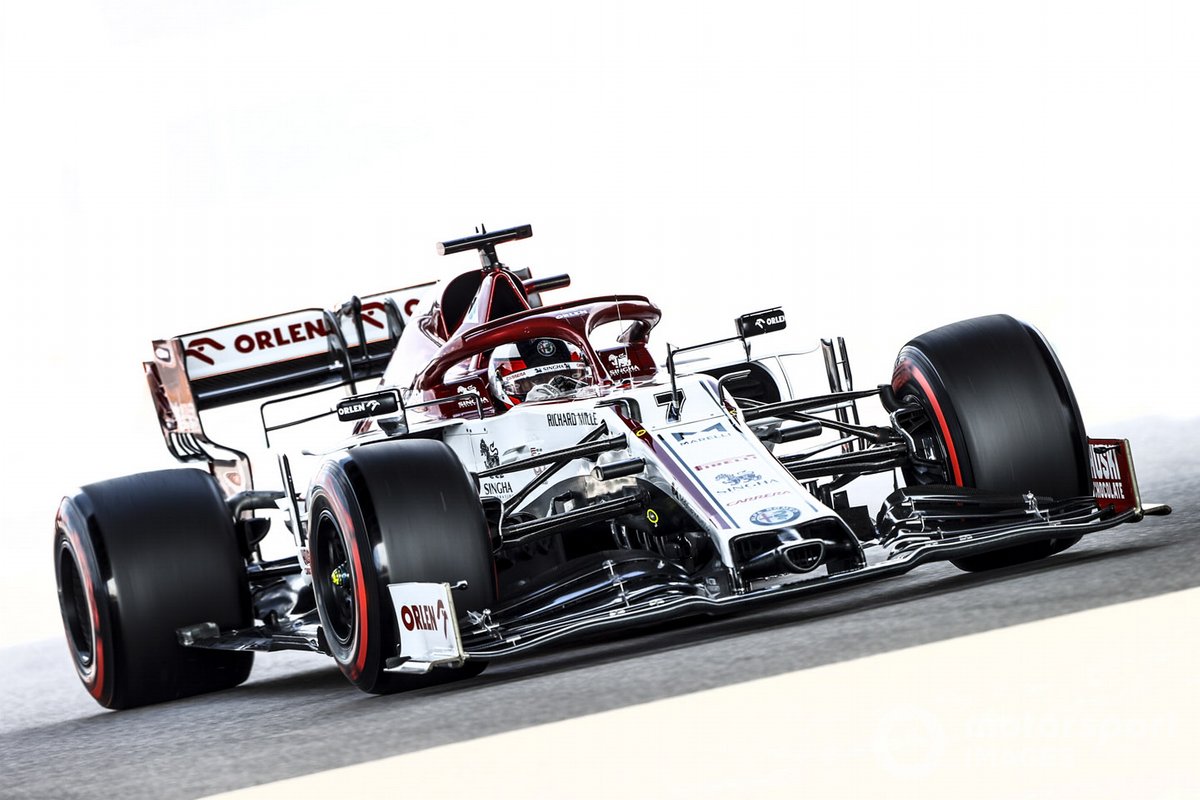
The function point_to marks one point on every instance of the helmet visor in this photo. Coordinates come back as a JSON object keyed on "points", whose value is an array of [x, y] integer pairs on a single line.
{"points": [[548, 381]]}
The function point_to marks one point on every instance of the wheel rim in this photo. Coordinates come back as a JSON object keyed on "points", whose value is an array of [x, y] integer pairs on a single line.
{"points": [[928, 464], [335, 582], [77, 615]]}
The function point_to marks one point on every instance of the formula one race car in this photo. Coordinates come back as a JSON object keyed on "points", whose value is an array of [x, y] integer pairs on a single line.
{"points": [[517, 478]]}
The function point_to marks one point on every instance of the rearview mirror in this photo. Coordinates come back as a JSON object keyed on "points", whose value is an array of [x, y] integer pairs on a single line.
{"points": [[760, 322], [368, 405]]}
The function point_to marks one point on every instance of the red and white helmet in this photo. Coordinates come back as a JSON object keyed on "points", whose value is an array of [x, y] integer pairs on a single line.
{"points": [[538, 369]]}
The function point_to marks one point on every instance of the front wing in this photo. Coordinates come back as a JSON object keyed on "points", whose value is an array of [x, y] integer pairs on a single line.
{"points": [[486, 639], [629, 588]]}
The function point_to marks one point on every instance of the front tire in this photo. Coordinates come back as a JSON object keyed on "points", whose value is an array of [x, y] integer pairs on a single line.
{"points": [[393, 512], [136, 558], [996, 412]]}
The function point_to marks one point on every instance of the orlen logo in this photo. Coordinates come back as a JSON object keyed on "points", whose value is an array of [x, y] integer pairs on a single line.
{"points": [[374, 317], [373, 314], [369, 407], [368, 314], [195, 349], [281, 336], [425, 617], [353, 408], [760, 322]]}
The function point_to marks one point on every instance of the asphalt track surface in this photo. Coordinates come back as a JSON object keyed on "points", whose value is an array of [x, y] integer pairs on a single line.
{"points": [[297, 715]]}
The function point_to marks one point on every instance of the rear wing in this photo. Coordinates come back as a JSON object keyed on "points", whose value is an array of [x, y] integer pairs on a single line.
{"points": [[298, 351]]}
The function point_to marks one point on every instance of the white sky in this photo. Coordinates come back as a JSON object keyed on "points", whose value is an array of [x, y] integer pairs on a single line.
{"points": [[878, 168]]}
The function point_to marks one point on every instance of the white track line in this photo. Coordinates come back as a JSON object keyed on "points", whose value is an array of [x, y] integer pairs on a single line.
{"points": [[1103, 703]]}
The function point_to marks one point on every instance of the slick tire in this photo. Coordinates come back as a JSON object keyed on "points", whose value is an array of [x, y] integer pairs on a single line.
{"points": [[999, 414], [393, 512], [136, 558]]}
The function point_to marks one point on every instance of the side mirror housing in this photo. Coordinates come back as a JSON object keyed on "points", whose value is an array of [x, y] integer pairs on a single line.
{"points": [[759, 322]]}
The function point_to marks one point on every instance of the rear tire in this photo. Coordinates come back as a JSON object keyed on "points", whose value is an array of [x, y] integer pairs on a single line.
{"points": [[393, 512], [998, 414], [135, 559]]}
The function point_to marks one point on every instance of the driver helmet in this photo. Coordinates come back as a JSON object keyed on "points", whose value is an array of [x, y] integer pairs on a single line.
{"points": [[538, 369]]}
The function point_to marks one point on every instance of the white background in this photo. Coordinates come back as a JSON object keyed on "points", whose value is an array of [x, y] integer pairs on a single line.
{"points": [[879, 168]]}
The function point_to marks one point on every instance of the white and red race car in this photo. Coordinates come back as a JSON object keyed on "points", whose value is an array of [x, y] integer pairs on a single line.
{"points": [[512, 475]]}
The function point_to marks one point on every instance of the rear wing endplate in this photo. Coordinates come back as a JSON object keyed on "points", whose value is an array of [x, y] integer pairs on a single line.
{"points": [[291, 352]]}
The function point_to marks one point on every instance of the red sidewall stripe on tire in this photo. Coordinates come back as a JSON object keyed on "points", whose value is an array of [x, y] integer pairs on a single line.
{"points": [[360, 585], [913, 370], [94, 684]]}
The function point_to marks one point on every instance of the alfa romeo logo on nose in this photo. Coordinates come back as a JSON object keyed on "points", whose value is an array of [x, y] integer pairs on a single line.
{"points": [[545, 347], [776, 515]]}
